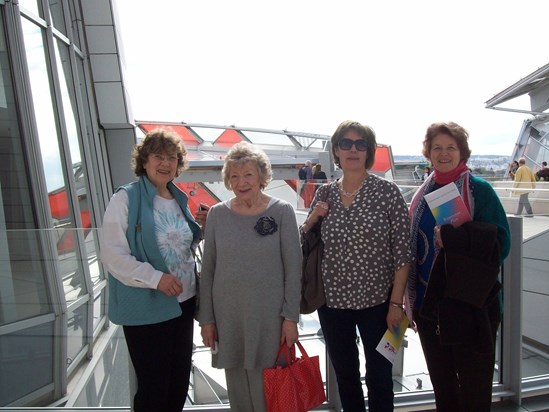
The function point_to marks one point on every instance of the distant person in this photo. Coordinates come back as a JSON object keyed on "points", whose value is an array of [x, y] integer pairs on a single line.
{"points": [[147, 244], [453, 288], [426, 173], [318, 174], [306, 172], [250, 285], [525, 181], [365, 229], [543, 173], [306, 191], [513, 169]]}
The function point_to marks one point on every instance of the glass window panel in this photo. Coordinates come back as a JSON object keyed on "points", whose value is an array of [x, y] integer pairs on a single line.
{"points": [[76, 331], [32, 5], [23, 291], [68, 94], [98, 309], [57, 17], [53, 166], [22, 275], [74, 13], [93, 261], [27, 362], [535, 295]]}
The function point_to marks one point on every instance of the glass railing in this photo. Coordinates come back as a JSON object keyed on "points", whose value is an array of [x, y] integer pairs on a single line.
{"points": [[57, 347]]}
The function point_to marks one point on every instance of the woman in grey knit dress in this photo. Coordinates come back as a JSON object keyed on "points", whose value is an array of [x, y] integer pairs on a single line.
{"points": [[251, 278]]}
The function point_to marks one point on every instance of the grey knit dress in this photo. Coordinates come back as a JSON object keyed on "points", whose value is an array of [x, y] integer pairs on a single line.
{"points": [[250, 282]]}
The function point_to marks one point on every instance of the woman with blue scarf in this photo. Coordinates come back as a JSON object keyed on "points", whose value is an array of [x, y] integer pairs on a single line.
{"points": [[453, 286]]}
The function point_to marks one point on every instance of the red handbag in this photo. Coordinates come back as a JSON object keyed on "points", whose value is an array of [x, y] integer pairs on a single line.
{"points": [[297, 387]]}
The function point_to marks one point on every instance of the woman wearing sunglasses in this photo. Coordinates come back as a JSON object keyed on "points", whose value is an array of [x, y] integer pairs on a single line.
{"points": [[365, 230]]}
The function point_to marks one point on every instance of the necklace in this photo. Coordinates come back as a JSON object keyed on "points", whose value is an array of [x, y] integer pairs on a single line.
{"points": [[349, 194]]}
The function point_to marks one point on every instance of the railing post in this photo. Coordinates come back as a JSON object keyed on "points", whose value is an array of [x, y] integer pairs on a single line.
{"points": [[512, 314]]}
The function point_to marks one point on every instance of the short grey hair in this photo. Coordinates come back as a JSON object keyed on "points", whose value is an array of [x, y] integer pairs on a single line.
{"points": [[245, 152]]}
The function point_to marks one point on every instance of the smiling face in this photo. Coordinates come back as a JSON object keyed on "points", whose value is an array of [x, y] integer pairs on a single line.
{"points": [[444, 154], [352, 159], [245, 181], [161, 168]]}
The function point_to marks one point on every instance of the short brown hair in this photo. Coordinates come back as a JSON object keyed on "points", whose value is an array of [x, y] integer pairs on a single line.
{"points": [[454, 130], [365, 132], [159, 141]]}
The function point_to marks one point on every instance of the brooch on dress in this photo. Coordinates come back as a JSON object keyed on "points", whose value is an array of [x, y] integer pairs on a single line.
{"points": [[266, 226]]}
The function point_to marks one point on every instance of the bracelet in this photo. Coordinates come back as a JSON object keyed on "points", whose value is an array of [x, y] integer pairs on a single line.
{"points": [[396, 305]]}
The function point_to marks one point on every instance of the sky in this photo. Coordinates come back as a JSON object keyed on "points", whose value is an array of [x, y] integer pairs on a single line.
{"points": [[307, 65]]}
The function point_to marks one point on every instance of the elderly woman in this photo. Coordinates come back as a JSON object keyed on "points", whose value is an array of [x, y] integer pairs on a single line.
{"points": [[453, 285], [250, 284], [365, 229], [146, 244]]}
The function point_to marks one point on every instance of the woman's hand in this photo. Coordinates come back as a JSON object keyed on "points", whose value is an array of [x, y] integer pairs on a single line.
{"points": [[394, 316], [438, 237], [209, 335], [170, 285], [289, 332], [320, 210]]}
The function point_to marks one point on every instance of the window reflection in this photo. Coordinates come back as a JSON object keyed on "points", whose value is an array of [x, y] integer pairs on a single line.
{"points": [[76, 332], [26, 362], [56, 13], [31, 5], [22, 273], [74, 13], [51, 158], [68, 95]]}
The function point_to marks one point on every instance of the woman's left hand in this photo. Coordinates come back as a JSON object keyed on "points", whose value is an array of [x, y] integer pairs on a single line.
{"points": [[289, 332], [394, 317], [438, 237]]}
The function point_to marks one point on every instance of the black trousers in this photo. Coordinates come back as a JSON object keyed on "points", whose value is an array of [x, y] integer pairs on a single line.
{"points": [[339, 328], [161, 354], [462, 374]]}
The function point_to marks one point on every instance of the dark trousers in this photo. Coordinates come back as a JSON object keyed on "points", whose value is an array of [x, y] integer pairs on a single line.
{"points": [[339, 328], [462, 374], [161, 355], [524, 203]]}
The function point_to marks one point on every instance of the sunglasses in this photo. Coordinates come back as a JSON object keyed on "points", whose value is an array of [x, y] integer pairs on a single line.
{"points": [[346, 144]]}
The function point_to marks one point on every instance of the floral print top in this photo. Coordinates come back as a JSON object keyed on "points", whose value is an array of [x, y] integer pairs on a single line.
{"points": [[174, 237]]}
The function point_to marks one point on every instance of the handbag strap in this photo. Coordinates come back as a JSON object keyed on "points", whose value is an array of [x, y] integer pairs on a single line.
{"points": [[302, 350], [289, 354]]}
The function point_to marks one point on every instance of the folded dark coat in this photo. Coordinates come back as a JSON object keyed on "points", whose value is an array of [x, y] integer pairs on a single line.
{"points": [[463, 283]]}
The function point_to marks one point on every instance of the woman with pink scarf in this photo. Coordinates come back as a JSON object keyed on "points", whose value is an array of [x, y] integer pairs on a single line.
{"points": [[453, 287]]}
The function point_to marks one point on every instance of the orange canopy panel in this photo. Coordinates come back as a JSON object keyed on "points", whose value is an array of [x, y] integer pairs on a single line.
{"points": [[188, 137], [228, 138], [383, 161], [197, 194]]}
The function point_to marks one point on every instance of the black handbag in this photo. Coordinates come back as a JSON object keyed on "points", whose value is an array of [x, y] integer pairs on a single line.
{"points": [[312, 287]]}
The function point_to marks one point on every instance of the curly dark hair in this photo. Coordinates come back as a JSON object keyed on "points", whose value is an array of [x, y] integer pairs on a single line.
{"points": [[454, 130], [159, 141], [365, 132]]}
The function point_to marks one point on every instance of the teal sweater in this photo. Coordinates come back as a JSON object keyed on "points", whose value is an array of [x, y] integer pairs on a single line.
{"points": [[485, 198], [143, 306]]}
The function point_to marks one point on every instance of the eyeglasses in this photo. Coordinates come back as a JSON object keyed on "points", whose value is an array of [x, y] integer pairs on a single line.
{"points": [[346, 144], [161, 158]]}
